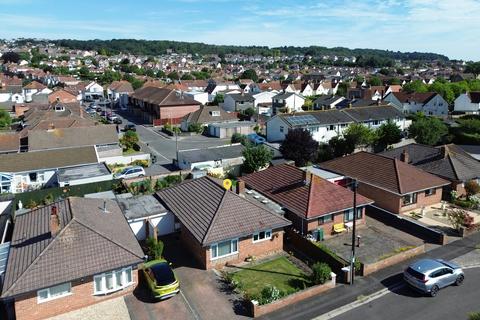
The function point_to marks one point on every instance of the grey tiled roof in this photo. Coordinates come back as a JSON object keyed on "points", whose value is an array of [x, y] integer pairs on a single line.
{"points": [[317, 118], [374, 113], [213, 214], [90, 241], [213, 153]]}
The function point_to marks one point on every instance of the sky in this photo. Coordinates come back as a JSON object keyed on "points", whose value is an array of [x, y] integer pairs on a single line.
{"points": [[450, 27]]}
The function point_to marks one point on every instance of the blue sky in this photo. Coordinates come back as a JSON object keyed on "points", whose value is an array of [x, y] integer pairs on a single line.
{"points": [[449, 27]]}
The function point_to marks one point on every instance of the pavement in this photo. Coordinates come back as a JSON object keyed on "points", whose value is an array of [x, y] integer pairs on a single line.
{"points": [[113, 309], [389, 278]]}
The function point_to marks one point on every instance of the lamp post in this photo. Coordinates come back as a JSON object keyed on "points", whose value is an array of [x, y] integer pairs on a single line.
{"points": [[352, 262]]}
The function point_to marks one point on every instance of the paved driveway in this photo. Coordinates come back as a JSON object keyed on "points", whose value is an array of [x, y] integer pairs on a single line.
{"points": [[202, 297]]}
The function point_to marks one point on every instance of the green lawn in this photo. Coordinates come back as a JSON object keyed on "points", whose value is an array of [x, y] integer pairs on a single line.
{"points": [[279, 272]]}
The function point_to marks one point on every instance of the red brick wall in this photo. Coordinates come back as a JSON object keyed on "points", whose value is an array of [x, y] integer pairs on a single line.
{"points": [[423, 200], [167, 113], [199, 253], [26, 306]]}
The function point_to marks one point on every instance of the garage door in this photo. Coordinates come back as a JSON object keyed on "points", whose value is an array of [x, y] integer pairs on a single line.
{"points": [[165, 224]]}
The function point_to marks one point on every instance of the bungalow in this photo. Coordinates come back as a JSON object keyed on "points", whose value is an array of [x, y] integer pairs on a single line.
{"points": [[118, 92], [160, 106], [219, 226], [69, 255], [327, 102], [34, 87], [313, 204], [449, 162], [206, 115], [92, 92], [62, 96], [238, 102], [430, 103], [468, 102], [394, 185], [375, 116], [287, 102]]}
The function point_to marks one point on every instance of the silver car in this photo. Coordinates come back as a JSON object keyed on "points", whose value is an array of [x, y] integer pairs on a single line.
{"points": [[430, 275]]}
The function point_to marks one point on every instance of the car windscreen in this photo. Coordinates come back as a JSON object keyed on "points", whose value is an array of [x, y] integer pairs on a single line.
{"points": [[163, 274], [415, 273]]}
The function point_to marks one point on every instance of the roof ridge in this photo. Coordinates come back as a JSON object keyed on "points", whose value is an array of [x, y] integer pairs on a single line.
{"points": [[44, 249], [397, 173], [215, 215], [309, 196], [451, 163]]}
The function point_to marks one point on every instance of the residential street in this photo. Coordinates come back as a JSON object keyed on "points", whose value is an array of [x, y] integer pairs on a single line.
{"points": [[405, 304]]}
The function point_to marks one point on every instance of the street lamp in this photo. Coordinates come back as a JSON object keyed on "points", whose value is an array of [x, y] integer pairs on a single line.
{"points": [[352, 262]]}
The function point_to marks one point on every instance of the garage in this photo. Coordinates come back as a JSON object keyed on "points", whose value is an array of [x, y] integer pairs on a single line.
{"points": [[146, 213]]}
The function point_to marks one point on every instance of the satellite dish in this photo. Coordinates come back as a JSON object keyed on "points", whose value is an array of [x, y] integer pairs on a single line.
{"points": [[227, 184]]}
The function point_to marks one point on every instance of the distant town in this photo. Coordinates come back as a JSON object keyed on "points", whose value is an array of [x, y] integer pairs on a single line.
{"points": [[161, 179]]}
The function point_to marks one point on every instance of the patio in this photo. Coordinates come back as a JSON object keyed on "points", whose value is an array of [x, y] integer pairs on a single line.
{"points": [[377, 241]]}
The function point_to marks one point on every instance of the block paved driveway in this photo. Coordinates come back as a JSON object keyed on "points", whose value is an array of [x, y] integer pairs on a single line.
{"points": [[202, 296]]}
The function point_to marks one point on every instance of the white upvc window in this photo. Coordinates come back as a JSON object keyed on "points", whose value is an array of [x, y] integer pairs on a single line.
{"points": [[263, 235], [224, 249], [112, 281], [55, 292]]}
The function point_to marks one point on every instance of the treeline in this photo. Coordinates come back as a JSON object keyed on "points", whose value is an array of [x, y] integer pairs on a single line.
{"points": [[158, 47]]}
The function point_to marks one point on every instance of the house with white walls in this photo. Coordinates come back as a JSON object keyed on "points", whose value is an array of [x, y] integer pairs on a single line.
{"points": [[287, 102], [468, 103], [430, 103]]}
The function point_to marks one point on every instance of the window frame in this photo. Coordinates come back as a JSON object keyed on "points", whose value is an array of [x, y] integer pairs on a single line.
{"points": [[265, 237], [215, 245], [430, 192], [50, 298], [413, 199], [103, 279], [348, 212], [321, 220]]}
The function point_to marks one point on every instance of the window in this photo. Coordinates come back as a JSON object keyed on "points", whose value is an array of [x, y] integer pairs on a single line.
{"points": [[348, 214], [409, 199], [281, 128], [325, 219], [215, 113], [331, 127], [55, 292], [376, 122], [5, 183], [263, 235], [112, 281], [430, 192], [33, 176], [223, 249]]}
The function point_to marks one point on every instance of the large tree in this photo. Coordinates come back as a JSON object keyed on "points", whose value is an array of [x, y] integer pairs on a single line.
{"points": [[359, 135], [256, 157], [388, 133], [415, 86], [427, 130], [299, 146], [474, 68], [5, 119], [249, 74], [129, 140], [10, 57]]}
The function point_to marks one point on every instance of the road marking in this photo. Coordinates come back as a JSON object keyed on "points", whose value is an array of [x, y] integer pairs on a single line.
{"points": [[194, 313], [472, 266], [358, 303]]}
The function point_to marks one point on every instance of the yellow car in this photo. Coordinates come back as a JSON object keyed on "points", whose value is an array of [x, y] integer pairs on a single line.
{"points": [[161, 279]]}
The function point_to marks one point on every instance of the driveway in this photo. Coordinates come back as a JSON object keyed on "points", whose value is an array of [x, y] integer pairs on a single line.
{"points": [[202, 297]]}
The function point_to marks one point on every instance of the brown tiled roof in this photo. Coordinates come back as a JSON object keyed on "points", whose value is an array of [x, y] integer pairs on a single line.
{"points": [[64, 96], [121, 86], [90, 241], [423, 98], [72, 137], [47, 159], [285, 184], [383, 172], [274, 85], [35, 85], [9, 142], [214, 214], [203, 115], [162, 97]]}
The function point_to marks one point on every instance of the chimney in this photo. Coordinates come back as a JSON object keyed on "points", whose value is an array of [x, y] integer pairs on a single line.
{"points": [[404, 156], [54, 221], [105, 206], [51, 127], [240, 188], [444, 151], [307, 176]]}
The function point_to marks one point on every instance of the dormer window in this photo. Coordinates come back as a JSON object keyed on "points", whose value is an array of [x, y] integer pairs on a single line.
{"points": [[215, 113]]}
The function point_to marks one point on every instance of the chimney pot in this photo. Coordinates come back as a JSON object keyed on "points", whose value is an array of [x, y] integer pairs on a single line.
{"points": [[404, 157], [307, 177], [240, 187], [54, 221]]}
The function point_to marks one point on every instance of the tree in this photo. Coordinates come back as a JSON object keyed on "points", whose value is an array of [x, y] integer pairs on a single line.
{"points": [[5, 119], [187, 76], [415, 86], [299, 146], [249, 74], [320, 272], [239, 138], [375, 81], [256, 157], [400, 71], [129, 140], [359, 135], [342, 89], [249, 112], [385, 71], [173, 75], [394, 81], [160, 74], [340, 146], [219, 97], [474, 68], [155, 248], [472, 188], [427, 130], [10, 57], [444, 89], [388, 133]]}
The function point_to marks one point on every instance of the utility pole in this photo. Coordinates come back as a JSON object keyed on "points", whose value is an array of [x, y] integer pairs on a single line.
{"points": [[352, 262]]}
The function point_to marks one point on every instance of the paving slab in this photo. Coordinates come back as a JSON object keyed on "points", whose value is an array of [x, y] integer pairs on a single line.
{"points": [[113, 309]]}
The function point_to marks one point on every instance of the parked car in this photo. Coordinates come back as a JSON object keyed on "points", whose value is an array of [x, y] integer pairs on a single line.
{"points": [[90, 111], [130, 126], [130, 172], [98, 109], [256, 139], [161, 279], [430, 275]]}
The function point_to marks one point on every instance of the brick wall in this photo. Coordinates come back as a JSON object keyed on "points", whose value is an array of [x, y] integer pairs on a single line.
{"points": [[198, 252], [176, 112], [390, 261], [26, 306], [393, 203]]}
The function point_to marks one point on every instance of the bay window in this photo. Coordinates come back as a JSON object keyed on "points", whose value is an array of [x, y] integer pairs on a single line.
{"points": [[55, 292], [112, 281], [263, 235], [223, 249]]}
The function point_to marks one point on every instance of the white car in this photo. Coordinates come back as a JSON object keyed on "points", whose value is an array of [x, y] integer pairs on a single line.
{"points": [[130, 172]]}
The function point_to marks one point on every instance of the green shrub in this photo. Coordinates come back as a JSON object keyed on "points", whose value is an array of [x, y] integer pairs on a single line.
{"points": [[320, 272], [155, 248], [474, 316], [48, 199], [141, 163], [195, 127], [268, 295], [174, 179], [239, 138]]}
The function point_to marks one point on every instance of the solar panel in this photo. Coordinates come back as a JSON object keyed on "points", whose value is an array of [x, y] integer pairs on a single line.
{"points": [[302, 120]]}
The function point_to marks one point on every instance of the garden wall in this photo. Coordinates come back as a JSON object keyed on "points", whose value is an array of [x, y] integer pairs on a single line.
{"points": [[125, 159], [387, 262], [312, 251], [259, 310]]}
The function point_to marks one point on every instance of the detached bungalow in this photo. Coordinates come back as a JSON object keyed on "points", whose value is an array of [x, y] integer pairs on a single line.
{"points": [[393, 184], [219, 226], [313, 204], [69, 255]]}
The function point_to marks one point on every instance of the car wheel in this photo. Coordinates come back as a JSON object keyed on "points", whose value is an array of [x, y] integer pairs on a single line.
{"points": [[434, 291], [141, 176], [459, 280]]}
